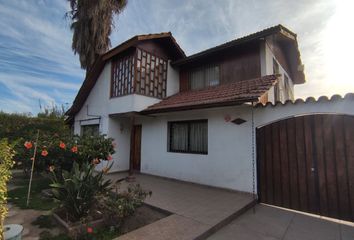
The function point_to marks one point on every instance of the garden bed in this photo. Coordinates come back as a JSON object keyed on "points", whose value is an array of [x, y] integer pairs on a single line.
{"points": [[143, 216], [74, 229]]}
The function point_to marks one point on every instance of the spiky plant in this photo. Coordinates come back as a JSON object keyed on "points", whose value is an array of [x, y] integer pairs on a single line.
{"points": [[92, 23]]}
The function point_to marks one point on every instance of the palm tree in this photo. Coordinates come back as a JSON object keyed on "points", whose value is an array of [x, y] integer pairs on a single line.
{"points": [[92, 22]]}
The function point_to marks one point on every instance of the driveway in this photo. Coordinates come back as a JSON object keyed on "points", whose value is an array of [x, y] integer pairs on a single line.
{"points": [[196, 210], [274, 223]]}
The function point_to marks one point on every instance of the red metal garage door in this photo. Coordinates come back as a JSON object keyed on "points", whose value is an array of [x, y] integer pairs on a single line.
{"points": [[306, 163]]}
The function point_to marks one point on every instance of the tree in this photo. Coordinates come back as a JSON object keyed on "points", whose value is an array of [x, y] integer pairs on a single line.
{"points": [[92, 22]]}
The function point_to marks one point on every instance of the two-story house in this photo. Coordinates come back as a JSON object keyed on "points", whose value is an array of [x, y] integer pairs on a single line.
{"points": [[187, 118]]}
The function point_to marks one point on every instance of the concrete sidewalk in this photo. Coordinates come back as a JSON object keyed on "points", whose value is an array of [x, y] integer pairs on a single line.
{"points": [[274, 223], [197, 210]]}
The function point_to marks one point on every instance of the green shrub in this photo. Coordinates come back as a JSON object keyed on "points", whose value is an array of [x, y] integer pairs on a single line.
{"points": [[78, 190], [18, 128], [118, 206], [6, 163]]}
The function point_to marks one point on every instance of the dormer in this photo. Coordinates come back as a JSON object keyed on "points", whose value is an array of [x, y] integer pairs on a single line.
{"points": [[271, 51], [143, 66], [131, 76]]}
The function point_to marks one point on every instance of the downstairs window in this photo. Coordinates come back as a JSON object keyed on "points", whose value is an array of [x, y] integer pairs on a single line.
{"points": [[90, 130], [188, 136]]}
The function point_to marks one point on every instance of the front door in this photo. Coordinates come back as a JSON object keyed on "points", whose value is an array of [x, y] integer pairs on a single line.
{"points": [[136, 148]]}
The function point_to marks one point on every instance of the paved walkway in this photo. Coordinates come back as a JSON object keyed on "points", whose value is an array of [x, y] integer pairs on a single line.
{"points": [[196, 210], [274, 223], [25, 217]]}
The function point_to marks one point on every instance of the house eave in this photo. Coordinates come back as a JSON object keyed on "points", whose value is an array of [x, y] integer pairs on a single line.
{"points": [[200, 106]]}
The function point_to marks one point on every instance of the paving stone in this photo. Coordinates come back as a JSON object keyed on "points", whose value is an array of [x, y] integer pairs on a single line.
{"points": [[347, 232], [308, 228], [173, 227], [192, 202], [274, 223], [25, 232]]}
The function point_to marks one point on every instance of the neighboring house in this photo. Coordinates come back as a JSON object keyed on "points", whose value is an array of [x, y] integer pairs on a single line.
{"points": [[187, 118]]}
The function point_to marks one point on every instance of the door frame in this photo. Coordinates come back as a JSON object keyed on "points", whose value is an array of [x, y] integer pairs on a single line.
{"points": [[135, 148]]}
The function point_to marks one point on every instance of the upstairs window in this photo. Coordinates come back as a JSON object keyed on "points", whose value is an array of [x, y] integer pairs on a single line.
{"points": [[275, 67], [122, 76], [188, 136], [204, 77], [288, 88], [276, 86]]}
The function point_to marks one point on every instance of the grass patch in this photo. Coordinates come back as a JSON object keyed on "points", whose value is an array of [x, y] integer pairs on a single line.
{"points": [[18, 196]]}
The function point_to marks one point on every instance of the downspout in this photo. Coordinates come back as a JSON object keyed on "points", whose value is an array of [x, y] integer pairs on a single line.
{"points": [[253, 160], [132, 133]]}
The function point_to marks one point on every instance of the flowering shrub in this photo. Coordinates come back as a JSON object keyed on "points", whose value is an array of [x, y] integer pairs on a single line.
{"points": [[62, 153], [6, 163]]}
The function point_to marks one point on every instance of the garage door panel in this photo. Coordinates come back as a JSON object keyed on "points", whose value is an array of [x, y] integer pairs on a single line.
{"points": [[339, 149], [276, 165], [301, 162], [330, 164], [349, 140], [284, 164], [308, 141], [269, 165], [261, 163], [294, 186], [321, 166], [307, 163]]}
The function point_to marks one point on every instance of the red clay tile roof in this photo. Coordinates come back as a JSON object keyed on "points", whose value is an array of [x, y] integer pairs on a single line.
{"points": [[222, 95]]}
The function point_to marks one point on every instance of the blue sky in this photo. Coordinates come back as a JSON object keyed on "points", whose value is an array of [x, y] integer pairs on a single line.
{"points": [[38, 65]]}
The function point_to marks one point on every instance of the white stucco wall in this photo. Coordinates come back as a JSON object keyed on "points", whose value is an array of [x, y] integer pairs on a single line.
{"points": [[97, 103], [98, 106], [119, 130], [228, 163], [267, 56]]}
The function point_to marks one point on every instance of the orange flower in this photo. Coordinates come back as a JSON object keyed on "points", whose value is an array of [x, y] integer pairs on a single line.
{"points": [[62, 145], [44, 153], [28, 145], [109, 158], [74, 149], [95, 161], [89, 230], [51, 168]]}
